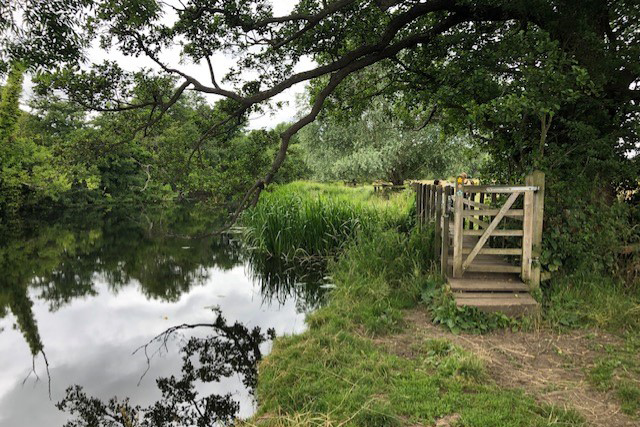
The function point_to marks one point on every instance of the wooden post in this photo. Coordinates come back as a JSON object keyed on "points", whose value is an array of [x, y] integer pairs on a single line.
{"points": [[446, 218], [438, 222], [424, 202], [458, 236], [418, 202], [527, 233], [429, 203], [537, 179], [434, 200]]}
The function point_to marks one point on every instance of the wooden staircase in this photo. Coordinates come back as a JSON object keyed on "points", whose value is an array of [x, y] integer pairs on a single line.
{"points": [[467, 219], [491, 284]]}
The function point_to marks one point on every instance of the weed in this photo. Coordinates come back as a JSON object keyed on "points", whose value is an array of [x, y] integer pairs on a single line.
{"points": [[444, 311], [629, 395]]}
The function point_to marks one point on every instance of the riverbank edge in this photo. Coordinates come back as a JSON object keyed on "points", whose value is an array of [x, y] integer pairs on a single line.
{"points": [[338, 373]]}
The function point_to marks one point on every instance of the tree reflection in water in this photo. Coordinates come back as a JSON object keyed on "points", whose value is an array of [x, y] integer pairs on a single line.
{"points": [[228, 350], [60, 261]]}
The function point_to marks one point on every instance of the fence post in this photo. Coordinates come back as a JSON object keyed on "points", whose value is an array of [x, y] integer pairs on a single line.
{"points": [[438, 222], [427, 212], [424, 203], [418, 187], [527, 234], [537, 179], [458, 236], [446, 217]]}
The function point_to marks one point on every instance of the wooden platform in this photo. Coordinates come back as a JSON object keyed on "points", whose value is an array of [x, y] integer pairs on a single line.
{"points": [[492, 285]]}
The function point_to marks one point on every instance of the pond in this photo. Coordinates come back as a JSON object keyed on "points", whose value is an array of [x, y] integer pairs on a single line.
{"points": [[82, 292]]}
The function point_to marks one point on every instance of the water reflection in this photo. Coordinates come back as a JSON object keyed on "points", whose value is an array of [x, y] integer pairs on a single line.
{"points": [[90, 287]]}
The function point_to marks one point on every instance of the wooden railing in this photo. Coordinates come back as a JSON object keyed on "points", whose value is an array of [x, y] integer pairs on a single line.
{"points": [[459, 209]]}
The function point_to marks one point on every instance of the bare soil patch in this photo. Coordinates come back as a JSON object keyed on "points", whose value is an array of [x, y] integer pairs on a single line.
{"points": [[550, 366]]}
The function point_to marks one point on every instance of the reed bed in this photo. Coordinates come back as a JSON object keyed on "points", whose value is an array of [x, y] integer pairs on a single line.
{"points": [[302, 220]]}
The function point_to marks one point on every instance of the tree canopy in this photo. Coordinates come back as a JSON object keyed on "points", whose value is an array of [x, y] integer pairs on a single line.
{"points": [[534, 79], [540, 84]]}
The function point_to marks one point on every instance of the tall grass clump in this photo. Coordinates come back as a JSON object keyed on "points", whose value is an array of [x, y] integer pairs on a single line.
{"points": [[294, 221]]}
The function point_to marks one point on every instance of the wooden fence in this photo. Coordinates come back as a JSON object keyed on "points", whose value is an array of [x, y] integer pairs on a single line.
{"points": [[466, 217]]}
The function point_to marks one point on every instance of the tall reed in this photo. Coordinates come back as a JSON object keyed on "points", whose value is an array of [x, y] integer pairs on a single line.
{"points": [[291, 225]]}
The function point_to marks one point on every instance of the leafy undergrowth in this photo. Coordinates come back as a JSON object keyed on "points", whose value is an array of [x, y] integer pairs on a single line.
{"points": [[444, 311]]}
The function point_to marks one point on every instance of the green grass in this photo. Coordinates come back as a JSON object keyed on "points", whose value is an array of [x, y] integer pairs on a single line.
{"points": [[586, 299], [340, 373]]}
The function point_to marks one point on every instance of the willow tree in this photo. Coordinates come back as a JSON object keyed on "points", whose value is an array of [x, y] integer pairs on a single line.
{"points": [[519, 71]]}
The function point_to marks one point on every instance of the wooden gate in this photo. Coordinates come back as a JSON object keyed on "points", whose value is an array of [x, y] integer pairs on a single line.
{"points": [[487, 236]]}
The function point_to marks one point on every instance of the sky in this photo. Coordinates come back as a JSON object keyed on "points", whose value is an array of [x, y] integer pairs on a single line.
{"points": [[221, 63]]}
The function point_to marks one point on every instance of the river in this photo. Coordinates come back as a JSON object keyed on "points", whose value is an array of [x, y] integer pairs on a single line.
{"points": [[86, 289]]}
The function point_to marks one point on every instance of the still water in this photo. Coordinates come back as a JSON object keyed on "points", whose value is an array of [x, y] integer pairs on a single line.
{"points": [[86, 290]]}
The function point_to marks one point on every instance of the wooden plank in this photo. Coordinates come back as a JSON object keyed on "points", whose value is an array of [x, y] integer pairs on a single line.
{"points": [[527, 236], [448, 191], [486, 285], [493, 268], [487, 233], [418, 188], [432, 212], [427, 211], [457, 229], [495, 251], [423, 204], [438, 222], [478, 221], [511, 304], [512, 233], [516, 213], [499, 188], [476, 204]]}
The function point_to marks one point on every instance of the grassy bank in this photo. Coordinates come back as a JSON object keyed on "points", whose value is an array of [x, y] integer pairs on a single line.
{"points": [[341, 371]]}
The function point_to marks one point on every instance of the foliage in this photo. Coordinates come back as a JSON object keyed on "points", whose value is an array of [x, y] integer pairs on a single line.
{"points": [[588, 235], [382, 143], [60, 155], [27, 168]]}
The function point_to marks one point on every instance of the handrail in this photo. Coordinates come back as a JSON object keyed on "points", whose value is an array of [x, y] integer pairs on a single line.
{"points": [[498, 188]]}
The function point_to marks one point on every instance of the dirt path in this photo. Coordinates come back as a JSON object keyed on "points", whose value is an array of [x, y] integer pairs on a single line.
{"points": [[548, 365]]}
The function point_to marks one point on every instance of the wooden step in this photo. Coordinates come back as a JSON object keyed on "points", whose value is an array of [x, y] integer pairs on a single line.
{"points": [[489, 266], [493, 268], [486, 285], [512, 304]]}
